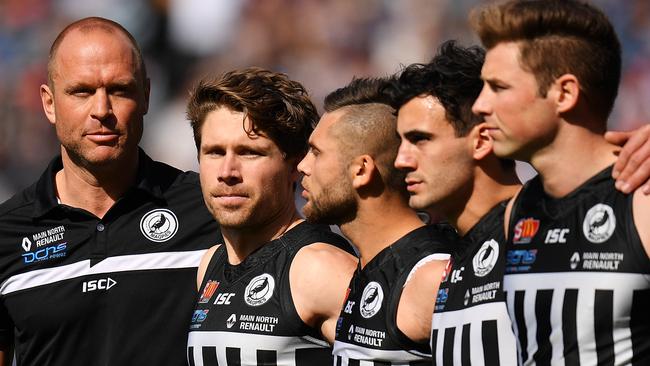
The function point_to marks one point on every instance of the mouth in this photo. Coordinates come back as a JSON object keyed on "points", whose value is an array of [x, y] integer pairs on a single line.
{"points": [[230, 199], [102, 137], [412, 185]]}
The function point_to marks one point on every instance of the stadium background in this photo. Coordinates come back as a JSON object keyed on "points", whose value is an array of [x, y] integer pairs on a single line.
{"points": [[320, 43]]}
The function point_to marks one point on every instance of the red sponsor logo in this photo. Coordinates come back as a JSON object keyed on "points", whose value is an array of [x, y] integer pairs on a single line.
{"points": [[525, 230], [447, 270], [208, 291]]}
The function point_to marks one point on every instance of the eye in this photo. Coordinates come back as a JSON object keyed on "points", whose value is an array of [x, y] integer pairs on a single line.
{"points": [[81, 91]]}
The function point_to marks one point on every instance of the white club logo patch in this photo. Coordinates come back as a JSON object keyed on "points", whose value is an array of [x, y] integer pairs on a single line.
{"points": [[599, 223], [259, 290], [371, 300], [486, 257], [159, 225]]}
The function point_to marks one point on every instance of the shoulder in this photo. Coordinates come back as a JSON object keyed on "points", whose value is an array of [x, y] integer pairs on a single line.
{"points": [[18, 203], [322, 257], [203, 266], [640, 213]]}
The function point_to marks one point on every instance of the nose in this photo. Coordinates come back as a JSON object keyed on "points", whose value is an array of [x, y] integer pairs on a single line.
{"points": [[102, 107], [481, 105], [303, 166], [405, 159], [229, 172]]}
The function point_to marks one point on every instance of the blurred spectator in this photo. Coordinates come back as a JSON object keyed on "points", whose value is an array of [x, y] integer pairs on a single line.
{"points": [[322, 43]]}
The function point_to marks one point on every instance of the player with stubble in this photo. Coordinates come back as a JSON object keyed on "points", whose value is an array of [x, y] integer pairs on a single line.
{"points": [[350, 181], [272, 292]]}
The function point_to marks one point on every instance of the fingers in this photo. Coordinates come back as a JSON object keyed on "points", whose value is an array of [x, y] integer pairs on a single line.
{"points": [[632, 169]]}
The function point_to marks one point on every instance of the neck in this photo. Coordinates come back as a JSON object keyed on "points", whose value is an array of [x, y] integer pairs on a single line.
{"points": [[380, 221], [491, 185], [243, 240], [574, 156], [94, 189]]}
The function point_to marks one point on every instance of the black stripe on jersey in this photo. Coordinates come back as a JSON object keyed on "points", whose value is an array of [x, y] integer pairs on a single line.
{"points": [[604, 326], [339, 360], [570, 327], [543, 316], [209, 356], [490, 337], [190, 356], [267, 358], [521, 323], [310, 356], [465, 350], [448, 347], [233, 356], [352, 362], [639, 317], [434, 342], [381, 363]]}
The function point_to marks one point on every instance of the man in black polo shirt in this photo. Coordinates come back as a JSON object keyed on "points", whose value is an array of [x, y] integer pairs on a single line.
{"points": [[98, 257]]}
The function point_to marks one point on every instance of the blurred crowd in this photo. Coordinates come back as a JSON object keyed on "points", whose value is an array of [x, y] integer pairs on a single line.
{"points": [[322, 43]]}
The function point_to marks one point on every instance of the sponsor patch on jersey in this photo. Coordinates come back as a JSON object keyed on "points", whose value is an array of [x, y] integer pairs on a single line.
{"points": [[371, 299], [159, 225], [44, 245], [520, 260], [525, 230], [259, 290], [486, 257], [555, 236], [200, 315], [232, 319], [208, 291], [599, 223], [575, 260], [46, 253]]}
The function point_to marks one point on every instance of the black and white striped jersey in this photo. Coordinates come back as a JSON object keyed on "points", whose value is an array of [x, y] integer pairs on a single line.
{"points": [[79, 290], [470, 323], [366, 332], [577, 277], [245, 314]]}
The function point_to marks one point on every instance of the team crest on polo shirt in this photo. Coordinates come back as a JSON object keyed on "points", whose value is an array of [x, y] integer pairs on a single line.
{"points": [[259, 290], [599, 223], [159, 225], [371, 300], [486, 257]]}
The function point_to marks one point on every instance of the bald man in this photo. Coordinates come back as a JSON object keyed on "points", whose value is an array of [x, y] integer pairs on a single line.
{"points": [[98, 257]]}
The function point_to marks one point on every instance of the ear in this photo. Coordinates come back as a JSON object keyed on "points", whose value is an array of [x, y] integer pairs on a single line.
{"points": [[47, 99], [482, 142], [566, 91], [361, 170], [147, 89]]}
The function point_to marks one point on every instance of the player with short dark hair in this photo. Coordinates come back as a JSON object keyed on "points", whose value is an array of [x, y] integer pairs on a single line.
{"points": [[577, 271], [104, 247], [446, 154], [272, 292], [350, 181]]}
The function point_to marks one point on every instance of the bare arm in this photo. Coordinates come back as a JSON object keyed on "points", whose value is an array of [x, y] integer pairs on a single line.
{"points": [[319, 277], [203, 266], [632, 168], [418, 300]]}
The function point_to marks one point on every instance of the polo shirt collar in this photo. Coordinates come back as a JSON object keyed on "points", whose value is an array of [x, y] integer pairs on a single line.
{"points": [[146, 181]]}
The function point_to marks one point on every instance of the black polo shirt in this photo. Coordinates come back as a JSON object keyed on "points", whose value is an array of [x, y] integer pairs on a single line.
{"points": [[79, 290]]}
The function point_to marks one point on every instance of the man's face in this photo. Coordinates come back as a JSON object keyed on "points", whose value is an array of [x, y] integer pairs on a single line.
{"points": [[98, 99], [520, 120], [246, 180], [327, 187], [438, 164]]}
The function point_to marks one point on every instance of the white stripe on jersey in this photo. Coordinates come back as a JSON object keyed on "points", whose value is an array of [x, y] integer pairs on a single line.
{"points": [[136, 262], [425, 260], [475, 316], [248, 345], [349, 351], [622, 286]]}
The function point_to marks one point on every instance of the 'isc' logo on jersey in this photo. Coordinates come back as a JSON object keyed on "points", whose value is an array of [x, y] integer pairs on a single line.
{"points": [[525, 230]]}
